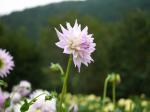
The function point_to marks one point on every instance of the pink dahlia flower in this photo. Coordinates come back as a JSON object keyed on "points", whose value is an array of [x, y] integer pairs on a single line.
{"points": [[76, 42], [6, 63]]}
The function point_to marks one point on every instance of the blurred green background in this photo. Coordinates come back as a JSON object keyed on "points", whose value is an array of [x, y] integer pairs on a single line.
{"points": [[121, 30]]}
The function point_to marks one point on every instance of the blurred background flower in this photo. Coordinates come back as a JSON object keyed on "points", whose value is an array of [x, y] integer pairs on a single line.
{"points": [[3, 97], [6, 63]]}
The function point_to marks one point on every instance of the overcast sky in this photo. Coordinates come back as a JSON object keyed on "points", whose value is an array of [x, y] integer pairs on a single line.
{"points": [[8, 6]]}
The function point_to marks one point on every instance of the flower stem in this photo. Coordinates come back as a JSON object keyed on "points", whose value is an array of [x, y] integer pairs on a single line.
{"points": [[36, 98], [130, 107], [114, 93], [105, 91], [64, 89], [61, 70]]}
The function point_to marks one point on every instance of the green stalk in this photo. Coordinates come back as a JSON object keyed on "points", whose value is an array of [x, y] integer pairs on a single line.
{"points": [[36, 98], [64, 89], [114, 93], [130, 107], [105, 91], [61, 70]]}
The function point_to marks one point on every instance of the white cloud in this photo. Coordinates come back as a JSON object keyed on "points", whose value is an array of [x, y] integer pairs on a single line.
{"points": [[8, 6]]}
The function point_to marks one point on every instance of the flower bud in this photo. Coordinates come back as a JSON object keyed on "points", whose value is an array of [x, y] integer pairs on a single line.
{"points": [[56, 67], [114, 77]]}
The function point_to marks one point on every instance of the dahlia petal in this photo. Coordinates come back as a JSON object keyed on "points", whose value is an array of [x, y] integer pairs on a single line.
{"points": [[76, 25], [90, 36], [67, 50], [77, 63], [90, 58], [79, 28], [85, 30], [60, 35], [75, 54], [63, 29], [85, 62], [69, 26], [59, 44]]}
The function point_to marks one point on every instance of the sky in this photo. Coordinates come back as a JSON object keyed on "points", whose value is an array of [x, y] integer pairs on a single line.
{"points": [[8, 6]]}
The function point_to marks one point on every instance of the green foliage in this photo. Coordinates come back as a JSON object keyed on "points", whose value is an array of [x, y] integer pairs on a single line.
{"points": [[7, 102], [2, 83], [27, 57], [25, 106], [107, 10], [130, 53], [52, 95]]}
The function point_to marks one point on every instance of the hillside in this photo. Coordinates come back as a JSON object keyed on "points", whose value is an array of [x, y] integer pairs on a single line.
{"points": [[106, 10]]}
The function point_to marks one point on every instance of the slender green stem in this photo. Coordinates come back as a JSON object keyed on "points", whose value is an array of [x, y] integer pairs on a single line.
{"points": [[61, 70], [64, 89], [105, 90], [36, 97], [114, 93], [130, 107]]}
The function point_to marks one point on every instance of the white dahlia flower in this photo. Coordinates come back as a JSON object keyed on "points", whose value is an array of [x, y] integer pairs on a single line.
{"points": [[42, 105]]}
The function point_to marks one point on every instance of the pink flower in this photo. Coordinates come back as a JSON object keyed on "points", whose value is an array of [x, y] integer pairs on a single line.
{"points": [[3, 97], [76, 42], [24, 88], [2, 100], [6, 63]]}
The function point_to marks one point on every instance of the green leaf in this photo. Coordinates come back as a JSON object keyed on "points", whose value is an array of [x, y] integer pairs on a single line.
{"points": [[48, 97], [2, 83], [7, 102], [25, 106], [52, 95]]}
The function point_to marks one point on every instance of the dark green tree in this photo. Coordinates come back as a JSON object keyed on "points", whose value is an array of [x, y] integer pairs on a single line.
{"points": [[130, 54]]}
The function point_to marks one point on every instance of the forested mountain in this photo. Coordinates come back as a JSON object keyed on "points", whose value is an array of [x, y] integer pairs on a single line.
{"points": [[105, 10]]}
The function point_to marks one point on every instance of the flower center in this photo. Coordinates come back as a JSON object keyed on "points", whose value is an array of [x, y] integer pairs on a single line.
{"points": [[1, 63], [38, 110], [74, 43]]}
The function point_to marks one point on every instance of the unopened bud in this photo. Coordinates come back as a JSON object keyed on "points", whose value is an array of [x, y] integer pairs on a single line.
{"points": [[56, 67], [114, 77]]}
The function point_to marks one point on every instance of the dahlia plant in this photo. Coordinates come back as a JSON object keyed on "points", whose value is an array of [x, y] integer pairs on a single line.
{"points": [[79, 45]]}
